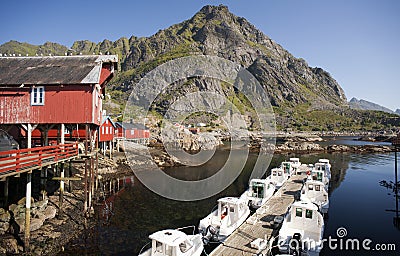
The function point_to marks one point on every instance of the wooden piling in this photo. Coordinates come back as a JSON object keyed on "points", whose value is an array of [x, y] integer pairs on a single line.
{"points": [[6, 183], [28, 211], [61, 195], [396, 181]]}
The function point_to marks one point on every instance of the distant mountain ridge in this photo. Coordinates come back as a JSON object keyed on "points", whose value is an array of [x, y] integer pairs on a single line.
{"points": [[361, 104]]}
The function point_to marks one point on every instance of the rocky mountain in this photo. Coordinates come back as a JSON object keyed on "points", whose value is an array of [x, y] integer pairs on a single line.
{"points": [[397, 111], [361, 104], [303, 97], [213, 31]]}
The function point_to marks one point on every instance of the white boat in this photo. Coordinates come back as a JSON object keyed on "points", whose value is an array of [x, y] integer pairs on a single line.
{"points": [[325, 161], [314, 192], [295, 162], [258, 193], [229, 215], [319, 175], [277, 177], [174, 242], [302, 230], [289, 168], [324, 165]]}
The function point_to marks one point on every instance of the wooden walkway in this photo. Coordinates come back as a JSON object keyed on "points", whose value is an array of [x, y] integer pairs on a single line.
{"points": [[24, 160], [260, 224]]}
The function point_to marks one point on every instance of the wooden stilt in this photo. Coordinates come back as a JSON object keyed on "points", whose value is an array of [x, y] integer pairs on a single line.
{"points": [[29, 135], [97, 165], [111, 149], [61, 196], [6, 192], [395, 181], [62, 133], [86, 170], [90, 177], [43, 179], [28, 211], [70, 175]]}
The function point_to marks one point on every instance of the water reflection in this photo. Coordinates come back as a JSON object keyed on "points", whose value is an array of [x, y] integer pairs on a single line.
{"points": [[357, 202]]}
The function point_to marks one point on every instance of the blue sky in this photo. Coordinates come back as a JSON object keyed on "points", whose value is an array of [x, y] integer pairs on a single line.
{"points": [[358, 42]]}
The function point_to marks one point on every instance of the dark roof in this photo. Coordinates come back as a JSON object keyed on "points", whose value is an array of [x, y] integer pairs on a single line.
{"points": [[130, 126], [80, 69]]}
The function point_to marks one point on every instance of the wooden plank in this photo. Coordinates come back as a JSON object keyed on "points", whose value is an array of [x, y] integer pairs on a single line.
{"points": [[66, 178], [260, 224]]}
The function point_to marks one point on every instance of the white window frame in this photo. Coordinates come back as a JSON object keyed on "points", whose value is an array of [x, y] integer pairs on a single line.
{"points": [[37, 96]]}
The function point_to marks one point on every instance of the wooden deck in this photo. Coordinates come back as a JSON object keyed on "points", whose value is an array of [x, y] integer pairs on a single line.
{"points": [[24, 160], [260, 224]]}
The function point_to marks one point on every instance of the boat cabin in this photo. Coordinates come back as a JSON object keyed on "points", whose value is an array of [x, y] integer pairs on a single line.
{"points": [[259, 188], [324, 161], [315, 192], [172, 242], [304, 218], [232, 207], [295, 161], [278, 177], [287, 168]]}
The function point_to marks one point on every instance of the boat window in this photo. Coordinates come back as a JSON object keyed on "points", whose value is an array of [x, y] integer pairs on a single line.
{"points": [[159, 246], [232, 209], [317, 188], [279, 173], [258, 190], [308, 214], [274, 173], [168, 250], [185, 246], [319, 176], [310, 187], [299, 212]]}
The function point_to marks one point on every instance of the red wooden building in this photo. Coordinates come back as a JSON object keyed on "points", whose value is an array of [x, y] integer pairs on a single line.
{"points": [[50, 92], [107, 130], [133, 131]]}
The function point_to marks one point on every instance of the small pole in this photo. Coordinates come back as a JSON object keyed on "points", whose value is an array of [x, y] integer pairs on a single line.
{"points": [[28, 211], [29, 135], [6, 192], [42, 181], [86, 169], [111, 149], [61, 197], [70, 175], [395, 179]]}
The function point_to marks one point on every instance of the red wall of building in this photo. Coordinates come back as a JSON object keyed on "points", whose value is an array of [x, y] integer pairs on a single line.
{"points": [[62, 104], [106, 131]]}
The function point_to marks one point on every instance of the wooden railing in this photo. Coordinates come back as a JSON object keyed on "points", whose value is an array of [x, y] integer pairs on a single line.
{"points": [[29, 158]]}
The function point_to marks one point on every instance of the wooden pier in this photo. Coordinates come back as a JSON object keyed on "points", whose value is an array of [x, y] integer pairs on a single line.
{"points": [[261, 223]]}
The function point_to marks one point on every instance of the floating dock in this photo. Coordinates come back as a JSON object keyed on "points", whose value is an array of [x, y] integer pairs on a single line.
{"points": [[261, 223]]}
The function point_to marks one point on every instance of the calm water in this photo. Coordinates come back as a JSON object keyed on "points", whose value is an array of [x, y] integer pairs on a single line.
{"points": [[357, 203]]}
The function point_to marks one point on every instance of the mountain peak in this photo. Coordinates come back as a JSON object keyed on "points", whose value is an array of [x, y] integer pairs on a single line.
{"points": [[367, 105], [214, 10]]}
